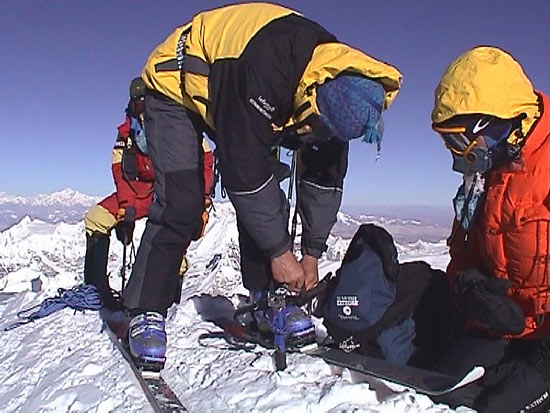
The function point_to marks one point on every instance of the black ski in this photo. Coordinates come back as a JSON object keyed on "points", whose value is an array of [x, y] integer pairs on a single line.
{"points": [[423, 381], [158, 393]]}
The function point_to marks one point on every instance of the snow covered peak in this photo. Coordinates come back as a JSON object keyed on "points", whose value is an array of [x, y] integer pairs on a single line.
{"points": [[66, 205], [65, 197], [11, 199], [346, 219]]}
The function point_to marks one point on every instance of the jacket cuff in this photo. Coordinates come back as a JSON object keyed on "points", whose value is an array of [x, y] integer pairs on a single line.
{"points": [[315, 249], [280, 249]]}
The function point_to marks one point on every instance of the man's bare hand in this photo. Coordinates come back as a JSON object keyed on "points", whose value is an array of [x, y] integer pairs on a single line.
{"points": [[287, 270], [311, 271]]}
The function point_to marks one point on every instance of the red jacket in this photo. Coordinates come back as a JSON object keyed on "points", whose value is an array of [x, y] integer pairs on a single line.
{"points": [[137, 186], [511, 236]]}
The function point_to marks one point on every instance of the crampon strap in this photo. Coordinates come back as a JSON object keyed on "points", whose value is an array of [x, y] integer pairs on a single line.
{"points": [[298, 300], [80, 298]]}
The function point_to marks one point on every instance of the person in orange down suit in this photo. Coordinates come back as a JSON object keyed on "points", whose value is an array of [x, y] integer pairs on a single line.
{"points": [[496, 126]]}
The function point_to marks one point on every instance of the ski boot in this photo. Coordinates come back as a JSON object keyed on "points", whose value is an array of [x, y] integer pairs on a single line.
{"points": [[300, 330], [276, 312], [292, 328], [147, 341]]}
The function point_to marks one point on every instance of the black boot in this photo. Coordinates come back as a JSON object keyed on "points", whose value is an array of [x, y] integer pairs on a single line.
{"points": [[95, 268]]}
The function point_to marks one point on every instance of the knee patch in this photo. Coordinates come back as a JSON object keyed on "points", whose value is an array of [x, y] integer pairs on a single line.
{"points": [[98, 219]]}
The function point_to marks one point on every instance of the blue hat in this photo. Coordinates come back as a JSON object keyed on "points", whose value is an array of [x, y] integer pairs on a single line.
{"points": [[351, 105]]}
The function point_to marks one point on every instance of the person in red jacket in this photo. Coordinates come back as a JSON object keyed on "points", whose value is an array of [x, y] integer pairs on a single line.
{"points": [[134, 176], [496, 126]]}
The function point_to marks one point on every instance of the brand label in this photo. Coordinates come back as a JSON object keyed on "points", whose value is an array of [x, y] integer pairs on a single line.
{"points": [[535, 403], [348, 345], [263, 106], [347, 300]]}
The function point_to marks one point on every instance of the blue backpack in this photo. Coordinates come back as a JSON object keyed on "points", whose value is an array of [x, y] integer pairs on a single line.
{"points": [[368, 305]]}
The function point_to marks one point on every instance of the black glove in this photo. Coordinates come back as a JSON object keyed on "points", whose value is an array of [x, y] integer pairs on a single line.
{"points": [[484, 299], [126, 222], [519, 385]]}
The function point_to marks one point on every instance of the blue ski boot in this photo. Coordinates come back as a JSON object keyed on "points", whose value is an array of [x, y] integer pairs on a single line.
{"points": [[292, 323], [147, 341], [300, 330], [276, 317]]}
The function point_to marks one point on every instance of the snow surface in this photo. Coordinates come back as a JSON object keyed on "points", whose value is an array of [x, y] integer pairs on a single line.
{"points": [[64, 363]]}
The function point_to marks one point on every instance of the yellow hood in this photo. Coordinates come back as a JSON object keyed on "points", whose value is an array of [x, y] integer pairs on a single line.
{"points": [[486, 80]]}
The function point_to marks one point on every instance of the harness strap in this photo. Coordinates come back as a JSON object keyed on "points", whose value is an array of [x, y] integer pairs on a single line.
{"points": [[193, 64], [184, 62], [167, 66]]}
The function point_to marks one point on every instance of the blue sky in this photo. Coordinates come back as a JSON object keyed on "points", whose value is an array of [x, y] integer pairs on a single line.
{"points": [[65, 68]]}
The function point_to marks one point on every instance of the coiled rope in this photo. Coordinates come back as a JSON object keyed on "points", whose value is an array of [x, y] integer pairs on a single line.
{"points": [[80, 298]]}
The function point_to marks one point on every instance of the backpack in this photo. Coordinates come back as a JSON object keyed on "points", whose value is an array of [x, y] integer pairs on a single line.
{"points": [[368, 306], [136, 164]]}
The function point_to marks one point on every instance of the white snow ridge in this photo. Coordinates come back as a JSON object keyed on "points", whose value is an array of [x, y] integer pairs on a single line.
{"points": [[64, 363]]}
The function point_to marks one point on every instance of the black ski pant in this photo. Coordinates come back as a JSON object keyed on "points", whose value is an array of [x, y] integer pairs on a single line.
{"points": [[174, 142]]}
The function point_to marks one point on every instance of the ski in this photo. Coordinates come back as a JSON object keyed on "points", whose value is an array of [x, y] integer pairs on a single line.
{"points": [[158, 392], [423, 381]]}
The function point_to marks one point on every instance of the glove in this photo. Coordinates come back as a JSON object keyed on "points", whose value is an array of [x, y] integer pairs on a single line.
{"points": [[126, 218], [484, 299], [473, 279], [519, 385], [204, 219]]}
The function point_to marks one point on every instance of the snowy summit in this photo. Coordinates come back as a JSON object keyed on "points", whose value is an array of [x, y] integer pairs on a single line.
{"points": [[65, 363]]}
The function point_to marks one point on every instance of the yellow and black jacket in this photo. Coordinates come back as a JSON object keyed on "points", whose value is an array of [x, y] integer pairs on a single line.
{"points": [[249, 69]]}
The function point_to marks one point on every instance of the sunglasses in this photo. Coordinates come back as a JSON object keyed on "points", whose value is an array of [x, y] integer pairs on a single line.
{"points": [[456, 140], [462, 144]]}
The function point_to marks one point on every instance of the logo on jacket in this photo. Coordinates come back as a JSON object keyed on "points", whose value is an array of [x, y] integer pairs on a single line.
{"points": [[263, 106]]}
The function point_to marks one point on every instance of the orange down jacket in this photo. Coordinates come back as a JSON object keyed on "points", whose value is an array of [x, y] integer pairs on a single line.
{"points": [[510, 238]]}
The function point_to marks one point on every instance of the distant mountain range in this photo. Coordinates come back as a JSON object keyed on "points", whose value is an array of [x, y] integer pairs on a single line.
{"points": [[54, 251], [66, 205], [43, 236], [406, 224]]}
